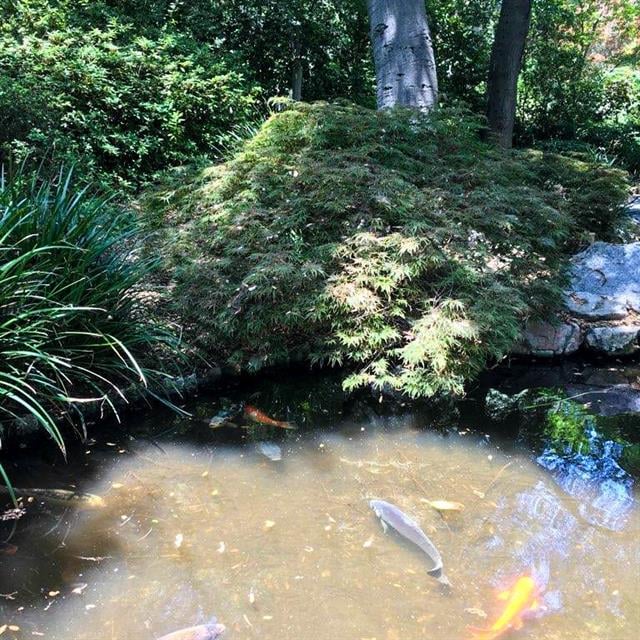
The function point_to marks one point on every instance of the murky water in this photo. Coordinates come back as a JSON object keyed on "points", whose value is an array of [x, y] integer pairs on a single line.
{"points": [[290, 550]]}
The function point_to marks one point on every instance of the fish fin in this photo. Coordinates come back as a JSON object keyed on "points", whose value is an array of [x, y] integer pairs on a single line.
{"points": [[443, 580], [504, 595], [288, 425], [385, 526], [481, 634], [517, 624], [535, 606]]}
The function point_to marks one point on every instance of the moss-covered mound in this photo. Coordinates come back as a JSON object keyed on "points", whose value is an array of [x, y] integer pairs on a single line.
{"points": [[397, 244]]}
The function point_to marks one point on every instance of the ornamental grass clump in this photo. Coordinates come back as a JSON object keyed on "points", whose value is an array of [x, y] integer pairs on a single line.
{"points": [[72, 329], [395, 244]]}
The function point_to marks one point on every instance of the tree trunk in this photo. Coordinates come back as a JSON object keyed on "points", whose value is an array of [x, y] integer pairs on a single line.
{"points": [[504, 68], [296, 73], [403, 54]]}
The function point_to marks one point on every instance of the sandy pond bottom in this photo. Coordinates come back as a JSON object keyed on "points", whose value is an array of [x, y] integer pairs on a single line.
{"points": [[290, 550]]}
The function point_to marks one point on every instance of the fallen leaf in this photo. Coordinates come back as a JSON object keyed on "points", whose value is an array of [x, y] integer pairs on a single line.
{"points": [[476, 612], [269, 524]]}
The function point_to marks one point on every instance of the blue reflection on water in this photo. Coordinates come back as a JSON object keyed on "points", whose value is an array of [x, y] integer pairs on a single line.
{"points": [[595, 479]]}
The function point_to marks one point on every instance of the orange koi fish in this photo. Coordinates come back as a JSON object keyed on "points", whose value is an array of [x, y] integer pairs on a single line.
{"points": [[255, 415], [521, 598]]}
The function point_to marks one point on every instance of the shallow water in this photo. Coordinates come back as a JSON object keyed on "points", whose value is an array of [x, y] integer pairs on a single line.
{"points": [[291, 549]]}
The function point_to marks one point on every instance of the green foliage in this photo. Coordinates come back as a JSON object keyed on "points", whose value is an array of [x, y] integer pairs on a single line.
{"points": [[330, 39], [89, 87], [462, 34], [575, 85], [579, 86], [72, 327], [396, 244], [125, 88], [567, 424]]}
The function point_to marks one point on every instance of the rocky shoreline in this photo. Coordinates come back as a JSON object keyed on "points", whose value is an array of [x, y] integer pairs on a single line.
{"points": [[601, 313]]}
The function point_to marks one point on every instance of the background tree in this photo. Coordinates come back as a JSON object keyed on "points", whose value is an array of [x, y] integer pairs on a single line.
{"points": [[403, 54], [504, 68], [124, 88]]}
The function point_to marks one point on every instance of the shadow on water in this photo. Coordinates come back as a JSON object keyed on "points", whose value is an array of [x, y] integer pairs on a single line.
{"points": [[197, 522]]}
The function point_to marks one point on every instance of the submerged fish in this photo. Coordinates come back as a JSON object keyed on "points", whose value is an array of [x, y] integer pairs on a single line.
{"points": [[521, 599], [209, 631], [8, 549], [222, 419], [270, 450], [60, 496], [445, 505], [254, 414], [407, 527]]}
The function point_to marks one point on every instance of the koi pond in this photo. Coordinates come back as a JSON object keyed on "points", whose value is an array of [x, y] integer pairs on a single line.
{"points": [[270, 529]]}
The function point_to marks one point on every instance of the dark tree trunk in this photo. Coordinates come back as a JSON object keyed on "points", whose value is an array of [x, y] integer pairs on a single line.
{"points": [[296, 73], [504, 68], [403, 54]]}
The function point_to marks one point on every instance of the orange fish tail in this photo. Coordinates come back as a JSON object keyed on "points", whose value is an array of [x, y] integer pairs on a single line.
{"points": [[483, 634]]}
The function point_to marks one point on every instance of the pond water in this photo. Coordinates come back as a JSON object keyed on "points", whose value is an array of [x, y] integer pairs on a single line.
{"points": [[197, 523]]}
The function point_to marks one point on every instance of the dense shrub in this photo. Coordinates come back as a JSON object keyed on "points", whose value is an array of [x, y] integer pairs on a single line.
{"points": [[119, 103], [72, 327], [394, 243], [579, 80]]}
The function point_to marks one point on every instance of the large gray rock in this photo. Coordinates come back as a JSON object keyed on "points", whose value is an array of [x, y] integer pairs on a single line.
{"points": [[602, 300], [613, 340], [605, 282], [548, 340]]}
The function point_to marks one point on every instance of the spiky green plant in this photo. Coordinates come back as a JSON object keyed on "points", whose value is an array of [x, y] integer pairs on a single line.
{"points": [[72, 328]]}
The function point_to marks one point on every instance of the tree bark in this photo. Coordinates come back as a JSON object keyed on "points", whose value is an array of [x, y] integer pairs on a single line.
{"points": [[403, 54], [504, 68], [296, 72]]}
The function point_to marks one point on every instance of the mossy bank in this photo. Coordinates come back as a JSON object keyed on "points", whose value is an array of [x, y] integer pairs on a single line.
{"points": [[398, 245]]}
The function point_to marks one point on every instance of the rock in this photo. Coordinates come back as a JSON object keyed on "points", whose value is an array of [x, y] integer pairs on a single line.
{"points": [[547, 340], [608, 377], [605, 281], [611, 401], [500, 406], [583, 304], [604, 290], [613, 340]]}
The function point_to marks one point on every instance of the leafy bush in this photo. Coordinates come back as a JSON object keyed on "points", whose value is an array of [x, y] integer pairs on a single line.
{"points": [[394, 243], [579, 81], [119, 102], [72, 327]]}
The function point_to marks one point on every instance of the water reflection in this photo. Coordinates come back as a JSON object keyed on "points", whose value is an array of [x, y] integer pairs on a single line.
{"points": [[595, 479], [290, 549]]}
